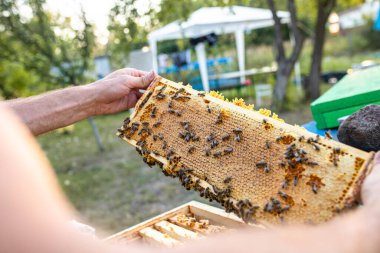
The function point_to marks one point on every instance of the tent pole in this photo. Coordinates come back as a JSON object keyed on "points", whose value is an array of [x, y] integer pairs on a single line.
{"points": [[153, 50], [202, 61], [239, 38]]}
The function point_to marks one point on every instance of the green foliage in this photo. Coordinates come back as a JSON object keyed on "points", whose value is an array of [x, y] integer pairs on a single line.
{"points": [[293, 98], [16, 81], [126, 30], [371, 41], [44, 43]]}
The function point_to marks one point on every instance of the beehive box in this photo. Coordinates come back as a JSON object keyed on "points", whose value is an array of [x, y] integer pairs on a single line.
{"points": [[353, 92], [253, 164], [191, 221]]}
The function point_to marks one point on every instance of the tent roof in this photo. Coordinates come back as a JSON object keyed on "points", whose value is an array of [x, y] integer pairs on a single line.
{"points": [[218, 20]]}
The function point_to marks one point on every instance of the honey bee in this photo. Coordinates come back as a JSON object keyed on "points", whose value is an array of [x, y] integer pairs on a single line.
{"points": [[127, 120], [191, 149], [208, 109], [226, 137], [153, 112], [195, 138], [182, 135], [214, 143], [178, 113], [135, 126], [283, 195], [227, 180], [292, 164], [261, 164], [314, 188], [228, 150], [160, 96], [157, 124], [267, 144], [311, 163], [210, 137], [219, 118], [237, 132], [295, 180], [328, 134], [169, 153], [207, 152], [217, 154], [268, 207], [315, 146], [164, 145], [285, 208], [285, 184], [171, 111], [180, 90]]}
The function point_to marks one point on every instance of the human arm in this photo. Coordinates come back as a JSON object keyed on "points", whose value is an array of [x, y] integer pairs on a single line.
{"points": [[116, 92]]}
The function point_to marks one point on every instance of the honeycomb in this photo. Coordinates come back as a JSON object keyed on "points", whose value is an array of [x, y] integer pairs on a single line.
{"points": [[253, 164]]}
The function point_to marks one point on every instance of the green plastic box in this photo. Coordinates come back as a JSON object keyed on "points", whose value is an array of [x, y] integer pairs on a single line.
{"points": [[353, 92]]}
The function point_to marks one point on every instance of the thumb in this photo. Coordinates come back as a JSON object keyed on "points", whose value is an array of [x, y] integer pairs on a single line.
{"points": [[371, 185], [143, 81]]}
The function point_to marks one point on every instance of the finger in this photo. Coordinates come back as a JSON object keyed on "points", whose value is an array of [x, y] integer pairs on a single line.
{"points": [[133, 72], [137, 93], [377, 159], [141, 82]]}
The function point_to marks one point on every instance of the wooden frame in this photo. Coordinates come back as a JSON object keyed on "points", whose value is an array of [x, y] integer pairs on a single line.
{"points": [[215, 216]]}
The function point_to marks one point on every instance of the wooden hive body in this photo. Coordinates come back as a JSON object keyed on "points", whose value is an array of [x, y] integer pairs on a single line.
{"points": [[186, 223], [265, 171]]}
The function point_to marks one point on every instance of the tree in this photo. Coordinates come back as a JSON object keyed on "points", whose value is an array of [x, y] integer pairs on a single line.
{"points": [[127, 31], [285, 64], [324, 9], [43, 45]]}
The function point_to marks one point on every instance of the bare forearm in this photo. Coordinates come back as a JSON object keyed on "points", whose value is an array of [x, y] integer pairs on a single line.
{"points": [[55, 109]]}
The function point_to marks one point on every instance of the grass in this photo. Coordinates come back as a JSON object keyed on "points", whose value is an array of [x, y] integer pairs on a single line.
{"points": [[113, 189]]}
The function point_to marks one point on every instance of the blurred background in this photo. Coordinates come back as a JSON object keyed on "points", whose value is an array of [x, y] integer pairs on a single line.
{"points": [[282, 61]]}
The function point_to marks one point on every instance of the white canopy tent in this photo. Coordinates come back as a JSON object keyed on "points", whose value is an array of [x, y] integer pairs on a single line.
{"points": [[218, 20]]}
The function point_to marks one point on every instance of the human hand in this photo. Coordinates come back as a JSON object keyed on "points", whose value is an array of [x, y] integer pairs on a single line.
{"points": [[119, 90], [371, 186]]}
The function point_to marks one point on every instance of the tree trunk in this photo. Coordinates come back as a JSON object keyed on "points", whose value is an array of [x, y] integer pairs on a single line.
{"points": [[279, 92], [324, 9], [285, 64]]}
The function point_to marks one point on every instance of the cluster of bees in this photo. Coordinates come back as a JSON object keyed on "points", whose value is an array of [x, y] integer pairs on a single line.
{"points": [[295, 158]]}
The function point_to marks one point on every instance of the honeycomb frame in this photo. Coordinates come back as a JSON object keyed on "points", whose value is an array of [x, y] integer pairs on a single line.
{"points": [[262, 169]]}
